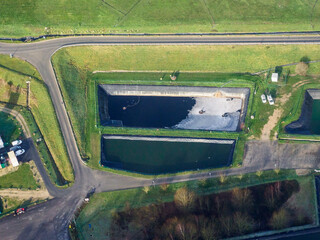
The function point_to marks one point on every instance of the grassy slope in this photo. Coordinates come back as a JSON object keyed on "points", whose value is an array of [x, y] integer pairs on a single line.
{"points": [[22, 178], [18, 72], [34, 17], [101, 205]]}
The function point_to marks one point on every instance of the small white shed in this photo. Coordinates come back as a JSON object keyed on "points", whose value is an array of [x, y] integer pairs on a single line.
{"points": [[13, 159], [274, 77]]}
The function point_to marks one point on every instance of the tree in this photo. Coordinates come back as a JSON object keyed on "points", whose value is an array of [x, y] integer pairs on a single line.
{"points": [[146, 189], [242, 199], [164, 187], [302, 68], [227, 225], [279, 219], [184, 199], [272, 195], [243, 223]]}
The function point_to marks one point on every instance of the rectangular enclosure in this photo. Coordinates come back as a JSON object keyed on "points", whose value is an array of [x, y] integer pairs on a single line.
{"points": [[180, 107], [160, 155], [309, 120]]}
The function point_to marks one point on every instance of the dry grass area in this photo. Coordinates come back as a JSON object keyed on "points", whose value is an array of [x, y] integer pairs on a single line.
{"points": [[9, 169]]}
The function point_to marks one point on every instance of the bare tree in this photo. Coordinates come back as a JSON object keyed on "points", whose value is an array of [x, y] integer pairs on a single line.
{"points": [[280, 219], [184, 199], [243, 223], [242, 199]]}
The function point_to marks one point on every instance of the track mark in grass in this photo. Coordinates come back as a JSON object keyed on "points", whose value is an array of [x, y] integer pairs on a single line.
{"points": [[114, 8], [205, 4], [125, 15], [312, 12]]}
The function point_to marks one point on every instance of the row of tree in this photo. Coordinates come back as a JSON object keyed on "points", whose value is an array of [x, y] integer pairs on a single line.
{"points": [[214, 216]]}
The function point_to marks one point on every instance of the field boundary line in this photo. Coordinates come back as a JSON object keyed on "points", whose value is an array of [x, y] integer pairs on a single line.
{"points": [[205, 4], [312, 13], [114, 8], [129, 11]]}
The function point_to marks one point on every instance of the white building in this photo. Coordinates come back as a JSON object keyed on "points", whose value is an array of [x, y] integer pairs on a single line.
{"points": [[274, 77], [13, 159], [1, 143]]}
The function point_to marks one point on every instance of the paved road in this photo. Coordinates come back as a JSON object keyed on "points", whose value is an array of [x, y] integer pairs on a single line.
{"points": [[49, 220]]}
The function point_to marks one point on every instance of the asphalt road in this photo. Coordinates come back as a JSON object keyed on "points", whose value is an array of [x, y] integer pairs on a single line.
{"points": [[50, 220]]}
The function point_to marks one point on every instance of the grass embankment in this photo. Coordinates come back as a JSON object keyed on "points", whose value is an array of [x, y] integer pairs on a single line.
{"points": [[10, 129], [74, 67], [25, 18], [13, 76], [103, 206]]}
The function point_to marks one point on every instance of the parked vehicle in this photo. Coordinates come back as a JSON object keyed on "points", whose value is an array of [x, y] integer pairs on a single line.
{"points": [[16, 142], [263, 98], [19, 211], [15, 148], [270, 99], [20, 152]]}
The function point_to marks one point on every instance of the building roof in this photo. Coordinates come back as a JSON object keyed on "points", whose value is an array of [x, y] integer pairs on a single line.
{"points": [[13, 159], [274, 77]]}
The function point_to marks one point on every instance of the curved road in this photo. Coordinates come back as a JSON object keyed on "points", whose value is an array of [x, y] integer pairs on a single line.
{"points": [[50, 220]]}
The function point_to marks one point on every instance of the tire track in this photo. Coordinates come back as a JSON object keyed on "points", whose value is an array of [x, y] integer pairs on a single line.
{"points": [[114, 8], [205, 4], [126, 14], [312, 12]]}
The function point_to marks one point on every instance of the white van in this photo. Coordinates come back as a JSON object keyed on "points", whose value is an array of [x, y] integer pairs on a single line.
{"points": [[270, 99]]}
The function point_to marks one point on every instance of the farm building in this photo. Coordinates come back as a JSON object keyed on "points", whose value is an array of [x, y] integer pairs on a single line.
{"points": [[274, 77], [13, 159]]}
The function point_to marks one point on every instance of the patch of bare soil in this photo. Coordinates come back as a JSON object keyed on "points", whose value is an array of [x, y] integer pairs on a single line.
{"points": [[9, 169], [25, 195], [274, 118], [302, 172]]}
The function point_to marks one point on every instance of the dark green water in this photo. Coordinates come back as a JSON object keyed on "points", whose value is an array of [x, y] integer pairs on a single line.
{"points": [[157, 157], [315, 117]]}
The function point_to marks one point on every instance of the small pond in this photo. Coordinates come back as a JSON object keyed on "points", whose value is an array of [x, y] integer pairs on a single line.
{"points": [[158, 155]]}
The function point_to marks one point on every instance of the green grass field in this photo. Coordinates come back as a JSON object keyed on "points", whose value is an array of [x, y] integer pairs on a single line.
{"points": [[195, 58], [10, 129], [22, 179], [35, 17], [13, 76]]}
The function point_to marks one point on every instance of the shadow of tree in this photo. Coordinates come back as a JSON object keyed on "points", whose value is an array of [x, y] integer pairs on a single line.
{"points": [[305, 59]]}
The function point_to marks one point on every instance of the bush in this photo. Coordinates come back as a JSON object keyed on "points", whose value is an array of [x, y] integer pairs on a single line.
{"points": [[302, 69]]}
